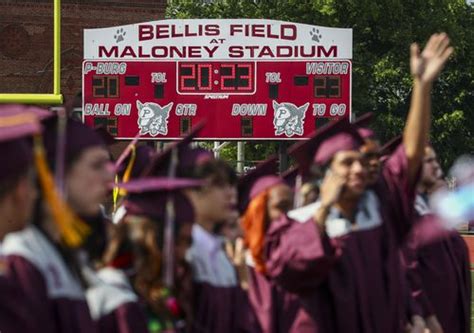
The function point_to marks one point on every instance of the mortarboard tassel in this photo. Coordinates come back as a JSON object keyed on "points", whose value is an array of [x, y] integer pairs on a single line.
{"points": [[169, 227], [72, 229], [119, 193], [131, 149]]}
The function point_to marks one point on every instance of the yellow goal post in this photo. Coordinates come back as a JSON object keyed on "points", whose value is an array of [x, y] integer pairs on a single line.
{"points": [[39, 98]]}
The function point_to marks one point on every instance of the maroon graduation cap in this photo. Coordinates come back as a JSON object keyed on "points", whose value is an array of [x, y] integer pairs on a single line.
{"points": [[77, 138], [348, 138], [362, 123], [290, 176], [17, 124], [389, 147], [262, 177], [304, 151], [148, 196], [186, 157], [142, 157], [105, 135]]}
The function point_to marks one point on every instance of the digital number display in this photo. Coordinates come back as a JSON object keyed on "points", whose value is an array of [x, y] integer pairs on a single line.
{"points": [[214, 77], [105, 86], [238, 99], [327, 87]]}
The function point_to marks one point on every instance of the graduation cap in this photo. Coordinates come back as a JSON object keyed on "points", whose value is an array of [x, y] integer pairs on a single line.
{"points": [[347, 138], [391, 145], [148, 196], [105, 135], [362, 123], [130, 165], [17, 123], [304, 151], [179, 156], [290, 176], [157, 184], [262, 177], [136, 162], [76, 138]]}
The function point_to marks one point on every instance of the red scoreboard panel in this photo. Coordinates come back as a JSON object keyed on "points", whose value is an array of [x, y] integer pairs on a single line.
{"points": [[247, 98]]}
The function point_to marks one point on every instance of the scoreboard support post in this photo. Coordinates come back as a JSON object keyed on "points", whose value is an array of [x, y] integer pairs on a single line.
{"points": [[240, 156], [282, 156]]}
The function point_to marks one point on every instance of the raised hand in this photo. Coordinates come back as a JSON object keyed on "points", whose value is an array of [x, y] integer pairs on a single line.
{"points": [[330, 191], [433, 325], [427, 65], [331, 188], [417, 325], [236, 253]]}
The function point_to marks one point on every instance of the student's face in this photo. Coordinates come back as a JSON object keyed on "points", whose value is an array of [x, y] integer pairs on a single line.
{"points": [[215, 203], [87, 181], [352, 166], [280, 201], [431, 170], [371, 150]]}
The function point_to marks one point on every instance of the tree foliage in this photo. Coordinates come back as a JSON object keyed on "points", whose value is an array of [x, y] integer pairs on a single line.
{"points": [[383, 31]]}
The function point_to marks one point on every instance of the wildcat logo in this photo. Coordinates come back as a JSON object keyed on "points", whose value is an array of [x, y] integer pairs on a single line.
{"points": [[289, 119], [153, 118]]}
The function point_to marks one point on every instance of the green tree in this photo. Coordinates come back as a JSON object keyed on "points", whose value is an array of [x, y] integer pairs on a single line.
{"points": [[383, 31]]}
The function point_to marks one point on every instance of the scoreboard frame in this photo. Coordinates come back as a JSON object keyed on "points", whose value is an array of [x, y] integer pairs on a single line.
{"points": [[255, 108]]}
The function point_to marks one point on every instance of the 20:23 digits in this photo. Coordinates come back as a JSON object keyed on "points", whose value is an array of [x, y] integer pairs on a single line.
{"points": [[215, 77]]}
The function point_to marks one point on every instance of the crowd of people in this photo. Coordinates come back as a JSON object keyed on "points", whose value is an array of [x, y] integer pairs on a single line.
{"points": [[175, 241]]}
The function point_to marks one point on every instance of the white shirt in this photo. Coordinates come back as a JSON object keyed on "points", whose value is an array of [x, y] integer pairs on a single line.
{"points": [[209, 261], [367, 216]]}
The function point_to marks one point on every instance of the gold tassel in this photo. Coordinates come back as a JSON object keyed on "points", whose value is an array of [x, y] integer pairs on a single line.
{"points": [[119, 193], [115, 192], [72, 229]]}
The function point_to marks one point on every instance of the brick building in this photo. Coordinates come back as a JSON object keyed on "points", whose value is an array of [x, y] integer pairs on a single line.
{"points": [[26, 34]]}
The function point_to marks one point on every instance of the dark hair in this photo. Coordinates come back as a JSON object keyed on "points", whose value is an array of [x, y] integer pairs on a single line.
{"points": [[218, 172], [146, 257], [8, 185]]}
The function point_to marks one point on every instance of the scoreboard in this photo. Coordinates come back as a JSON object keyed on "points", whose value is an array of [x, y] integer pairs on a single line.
{"points": [[247, 79]]}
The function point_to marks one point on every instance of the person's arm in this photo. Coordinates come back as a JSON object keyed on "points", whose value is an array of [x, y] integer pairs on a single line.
{"points": [[425, 68], [330, 192], [298, 256]]}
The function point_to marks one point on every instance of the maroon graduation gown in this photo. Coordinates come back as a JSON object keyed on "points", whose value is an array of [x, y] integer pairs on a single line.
{"points": [[219, 303], [353, 283], [439, 276], [276, 302], [15, 312], [55, 295]]}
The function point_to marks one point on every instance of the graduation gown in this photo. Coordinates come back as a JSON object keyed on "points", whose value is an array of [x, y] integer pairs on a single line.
{"points": [[276, 296], [15, 313], [349, 281], [114, 305], [219, 303], [53, 292], [438, 273]]}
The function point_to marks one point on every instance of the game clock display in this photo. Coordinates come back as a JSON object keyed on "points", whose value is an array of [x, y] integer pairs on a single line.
{"points": [[216, 77], [237, 99]]}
